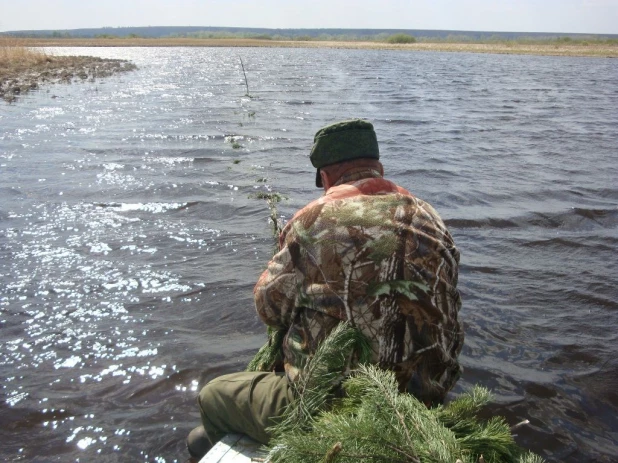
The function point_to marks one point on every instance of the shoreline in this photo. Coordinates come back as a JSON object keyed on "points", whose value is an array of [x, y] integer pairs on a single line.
{"points": [[19, 78], [512, 48]]}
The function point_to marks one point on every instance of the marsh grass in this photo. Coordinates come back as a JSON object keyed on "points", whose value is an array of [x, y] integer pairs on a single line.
{"points": [[559, 47], [14, 53]]}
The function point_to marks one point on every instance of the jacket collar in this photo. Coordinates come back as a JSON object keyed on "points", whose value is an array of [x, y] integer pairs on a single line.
{"points": [[357, 174]]}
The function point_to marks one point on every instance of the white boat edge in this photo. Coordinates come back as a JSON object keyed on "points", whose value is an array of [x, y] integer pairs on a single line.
{"points": [[235, 448]]}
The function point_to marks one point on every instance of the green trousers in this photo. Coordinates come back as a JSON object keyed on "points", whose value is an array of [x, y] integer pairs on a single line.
{"points": [[247, 403]]}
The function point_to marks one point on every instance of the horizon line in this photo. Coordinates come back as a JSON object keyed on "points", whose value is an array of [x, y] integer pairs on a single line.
{"points": [[312, 29]]}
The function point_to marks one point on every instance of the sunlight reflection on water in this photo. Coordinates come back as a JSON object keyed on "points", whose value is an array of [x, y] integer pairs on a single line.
{"points": [[132, 234]]}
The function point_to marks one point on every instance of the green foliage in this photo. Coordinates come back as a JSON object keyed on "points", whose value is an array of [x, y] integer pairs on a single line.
{"points": [[530, 458], [270, 197], [61, 34], [214, 35], [321, 374], [376, 423], [260, 36], [401, 38]]}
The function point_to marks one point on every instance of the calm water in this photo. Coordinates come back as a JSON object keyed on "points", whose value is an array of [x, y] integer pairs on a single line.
{"points": [[130, 237]]}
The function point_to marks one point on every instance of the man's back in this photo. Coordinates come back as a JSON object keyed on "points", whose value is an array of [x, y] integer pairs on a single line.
{"points": [[371, 253]]}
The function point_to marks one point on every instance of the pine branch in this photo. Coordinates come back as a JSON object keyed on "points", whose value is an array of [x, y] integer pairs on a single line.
{"points": [[321, 375], [387, 386], [530, 458], [376, 423]]}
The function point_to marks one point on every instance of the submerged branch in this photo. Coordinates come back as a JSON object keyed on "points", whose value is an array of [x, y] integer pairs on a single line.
{"points": [[245, 74]]}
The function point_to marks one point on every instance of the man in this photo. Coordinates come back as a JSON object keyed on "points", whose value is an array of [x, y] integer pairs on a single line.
{"points": [[368, 252]]}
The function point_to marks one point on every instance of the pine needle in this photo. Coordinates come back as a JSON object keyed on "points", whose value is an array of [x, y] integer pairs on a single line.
{"points": [[269, 357], [374, 422], [322, 375]]}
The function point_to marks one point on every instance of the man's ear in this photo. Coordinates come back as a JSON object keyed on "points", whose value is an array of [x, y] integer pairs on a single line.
{"points": [[325, 180]]}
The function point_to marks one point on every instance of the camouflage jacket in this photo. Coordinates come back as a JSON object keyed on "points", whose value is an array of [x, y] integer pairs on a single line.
{"points": [[369, 252]]}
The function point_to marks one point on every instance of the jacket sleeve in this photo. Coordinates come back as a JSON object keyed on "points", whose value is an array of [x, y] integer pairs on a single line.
{"points": [[276, 290]]}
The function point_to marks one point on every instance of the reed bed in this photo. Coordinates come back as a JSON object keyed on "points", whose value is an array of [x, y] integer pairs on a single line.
{"points": [[16, 53], [599, 49]]}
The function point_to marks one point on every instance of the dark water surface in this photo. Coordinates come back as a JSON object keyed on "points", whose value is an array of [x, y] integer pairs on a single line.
{"points": [[130, 240]]}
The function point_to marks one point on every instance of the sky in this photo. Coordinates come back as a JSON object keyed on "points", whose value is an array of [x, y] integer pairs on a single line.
{"points": [[562, 16]]}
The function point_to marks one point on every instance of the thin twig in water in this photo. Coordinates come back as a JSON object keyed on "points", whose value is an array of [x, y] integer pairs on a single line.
{"points": [[245, 74]]}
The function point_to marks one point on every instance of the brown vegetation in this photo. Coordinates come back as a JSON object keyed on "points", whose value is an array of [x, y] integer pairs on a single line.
{"points": [[557, 48], [14, 54], [23, 69]]}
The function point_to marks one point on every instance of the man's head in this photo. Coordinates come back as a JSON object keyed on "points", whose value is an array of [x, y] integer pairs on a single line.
{"points": [[341, 142]]}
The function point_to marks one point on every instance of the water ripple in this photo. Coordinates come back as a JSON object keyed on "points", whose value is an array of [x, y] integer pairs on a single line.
{"points": [[131, 234]]}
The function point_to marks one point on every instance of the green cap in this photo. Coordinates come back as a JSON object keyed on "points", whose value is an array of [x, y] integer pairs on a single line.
{"points": [[343, 141]]}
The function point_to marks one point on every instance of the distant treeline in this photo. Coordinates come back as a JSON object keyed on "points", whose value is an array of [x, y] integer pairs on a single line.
{"points": [[377, 35]]}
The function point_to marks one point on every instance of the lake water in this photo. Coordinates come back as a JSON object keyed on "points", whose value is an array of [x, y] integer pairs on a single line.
{"points": [[131, 236]]}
